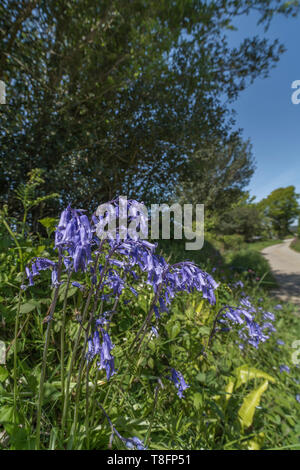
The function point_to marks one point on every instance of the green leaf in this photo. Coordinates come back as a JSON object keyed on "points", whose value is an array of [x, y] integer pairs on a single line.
{"points": [[201, 377], [229, 389], [3, 374], [175, 330], [6, 414], [151, 363], [245, 373], [250, 402], [257, 442], [197, 400], [49, 223], [28, 307]]}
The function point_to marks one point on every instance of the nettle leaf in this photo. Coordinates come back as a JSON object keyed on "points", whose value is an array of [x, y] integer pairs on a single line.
{"points": [[250, 402]]}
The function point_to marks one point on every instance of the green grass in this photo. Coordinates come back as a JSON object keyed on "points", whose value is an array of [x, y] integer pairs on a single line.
{"points": [[252, 262], [295, 245], [260, 245]]}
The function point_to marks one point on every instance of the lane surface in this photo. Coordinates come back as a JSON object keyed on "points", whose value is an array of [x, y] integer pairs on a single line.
{"points": [[285, 265]]}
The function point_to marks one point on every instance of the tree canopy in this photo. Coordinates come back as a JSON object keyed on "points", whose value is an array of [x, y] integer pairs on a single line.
{"points": [[281, 208], [127, 97]]}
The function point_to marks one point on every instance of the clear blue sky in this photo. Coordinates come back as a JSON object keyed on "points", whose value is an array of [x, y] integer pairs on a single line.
{"points": [[266, 113]]}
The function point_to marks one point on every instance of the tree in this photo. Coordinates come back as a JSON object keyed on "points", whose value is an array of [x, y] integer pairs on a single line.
{"points": [[242, 218], [119, 96], [215, 175], [281, 207]]}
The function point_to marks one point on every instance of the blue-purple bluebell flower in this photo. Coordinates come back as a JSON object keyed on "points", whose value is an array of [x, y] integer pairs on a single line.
{"points": [[238, 284], [179, 382], [284, 368], [103, 351], [244, 315]]}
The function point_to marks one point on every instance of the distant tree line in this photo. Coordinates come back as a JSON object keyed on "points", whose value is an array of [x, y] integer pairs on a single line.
{"points": [[272, 217]]}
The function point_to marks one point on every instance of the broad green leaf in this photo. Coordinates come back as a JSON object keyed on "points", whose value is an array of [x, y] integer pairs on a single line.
{"points": [[250, 402], [49, 223], [3, 374], [197, 400], [6, 414], [28, 307], [246, 373], [175, 330]]}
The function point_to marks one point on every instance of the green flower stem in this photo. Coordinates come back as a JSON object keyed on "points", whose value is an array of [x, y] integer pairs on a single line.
{"points": [[99, 291], [153, 415], [62, 340], [73, 357], [87, 427], [143, 330], [43, 371], [15, 355]]}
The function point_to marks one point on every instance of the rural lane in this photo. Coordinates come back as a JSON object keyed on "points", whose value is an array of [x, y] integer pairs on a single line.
{"points": [[285, 265]]}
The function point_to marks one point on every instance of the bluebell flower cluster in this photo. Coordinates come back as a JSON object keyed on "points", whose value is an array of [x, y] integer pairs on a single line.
{"points": [[134, 443], [116, 265], [238, 284], [103, 351], [245, 316], [73, 240], [131, 442], [38, 265], [76, 240], [74, 235], [179, 382]]}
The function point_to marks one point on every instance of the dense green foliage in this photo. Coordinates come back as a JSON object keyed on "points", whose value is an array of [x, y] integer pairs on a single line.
{"points": [[237, 400], [281, 208], [124, 97]]}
